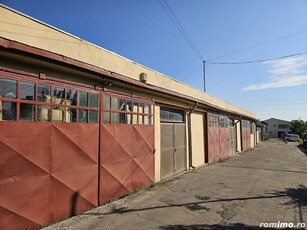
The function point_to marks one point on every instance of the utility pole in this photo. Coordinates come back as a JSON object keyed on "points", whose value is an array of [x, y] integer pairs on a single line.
{"points": [[204, 72]]}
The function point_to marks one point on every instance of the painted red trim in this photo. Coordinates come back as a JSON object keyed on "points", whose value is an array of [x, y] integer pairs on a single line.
{"points": [[8, 44]]}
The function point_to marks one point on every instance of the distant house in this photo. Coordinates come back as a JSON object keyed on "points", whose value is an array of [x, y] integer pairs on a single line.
{"points": [[277, 128]]}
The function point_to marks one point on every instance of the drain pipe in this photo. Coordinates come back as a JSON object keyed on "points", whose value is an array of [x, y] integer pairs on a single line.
{"points": [[237, 151], [190, 134]]}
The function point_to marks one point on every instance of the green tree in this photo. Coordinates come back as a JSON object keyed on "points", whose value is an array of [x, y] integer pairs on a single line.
{"points": [[298, 127]]}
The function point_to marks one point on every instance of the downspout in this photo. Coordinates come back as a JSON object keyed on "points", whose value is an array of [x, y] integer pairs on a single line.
{"points": [[190, 134], [241, 134], [236, 128]]}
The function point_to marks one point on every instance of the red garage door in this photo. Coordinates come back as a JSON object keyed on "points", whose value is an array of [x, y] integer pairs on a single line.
{"points": [[218, 137], [246, 134], [49, 151], [127, 146]]}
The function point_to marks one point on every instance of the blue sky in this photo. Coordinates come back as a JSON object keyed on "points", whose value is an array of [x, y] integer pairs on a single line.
{"points": [[142, 31]]}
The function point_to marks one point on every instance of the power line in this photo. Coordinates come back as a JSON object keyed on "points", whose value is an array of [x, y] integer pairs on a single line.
{"points": [[180, 28], [264, 105], [258, 45], [255, 61]]}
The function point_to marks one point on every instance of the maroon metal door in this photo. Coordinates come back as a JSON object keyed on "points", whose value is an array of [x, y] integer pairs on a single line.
{"points": [[48, 172], [213, 144], [218, 138], [126, 150], [224, 143], [246, 138], [48, 169]]}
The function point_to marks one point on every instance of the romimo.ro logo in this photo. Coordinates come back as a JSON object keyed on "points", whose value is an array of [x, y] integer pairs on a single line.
{"points": [[280, 224]]}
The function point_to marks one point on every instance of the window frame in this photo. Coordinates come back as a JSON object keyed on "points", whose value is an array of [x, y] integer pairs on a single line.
{"points": [[52, 84], [124, 112]]}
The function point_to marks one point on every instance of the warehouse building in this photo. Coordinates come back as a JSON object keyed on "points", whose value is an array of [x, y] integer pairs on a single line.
{"points": [[81, 126]]}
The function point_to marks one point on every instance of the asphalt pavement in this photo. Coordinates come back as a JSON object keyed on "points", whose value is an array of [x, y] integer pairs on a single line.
{"points": [[266, 185]]}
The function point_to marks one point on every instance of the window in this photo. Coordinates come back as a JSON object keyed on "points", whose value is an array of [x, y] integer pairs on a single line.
{"points": [[27, 91], [43, 93], [40, 102], [7, 111], [8, 88], [283, 126], [8, 92], [126, 111], [171, 115], [246, 124], [213, 120]]}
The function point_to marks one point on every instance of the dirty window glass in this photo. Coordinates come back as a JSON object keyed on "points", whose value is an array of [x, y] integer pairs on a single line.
{"points": [[114, 118], [27, 91], [71, 97], [106, 103], [26, 112], [43, 93], [7, 111], [71, 115], [43, 113], [93, 100], [122, 105], [82, 99], [83, 115], [58, 114], [114, 103], [93, 116], [8, 88], [106, 118], [58, 95]]}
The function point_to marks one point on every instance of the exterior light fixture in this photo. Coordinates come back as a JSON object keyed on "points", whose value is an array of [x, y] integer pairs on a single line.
{"points": [[143, 77]]}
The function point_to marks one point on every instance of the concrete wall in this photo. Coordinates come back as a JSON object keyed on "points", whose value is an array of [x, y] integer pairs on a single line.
{"points": [[253, 135], [198, 150], [20, 28], [237, 124], [157, 144]]}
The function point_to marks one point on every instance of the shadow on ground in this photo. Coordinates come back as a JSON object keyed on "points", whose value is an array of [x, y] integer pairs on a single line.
{"points": [[298, 198], [192, 206], [207, 227], [302, 148]]}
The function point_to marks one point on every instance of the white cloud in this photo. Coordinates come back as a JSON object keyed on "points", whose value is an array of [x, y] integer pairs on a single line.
{"points": [[286, 72]]}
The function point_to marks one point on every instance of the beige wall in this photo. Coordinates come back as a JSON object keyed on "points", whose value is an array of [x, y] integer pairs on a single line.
{"points": [[198, 151], [253, 135], [23, 29], [157, 144], [238, 135]]}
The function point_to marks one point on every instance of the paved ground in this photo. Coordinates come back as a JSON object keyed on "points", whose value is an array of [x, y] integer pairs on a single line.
{"points": [[267, 184]]}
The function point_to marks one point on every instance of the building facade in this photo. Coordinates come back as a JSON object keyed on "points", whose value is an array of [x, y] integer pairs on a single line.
{"points": [[81, 126], [277, 128]]}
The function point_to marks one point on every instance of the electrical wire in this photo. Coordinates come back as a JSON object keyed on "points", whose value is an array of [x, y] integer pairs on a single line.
{"points": [[257, 45], [255, 61], [180, 28]]}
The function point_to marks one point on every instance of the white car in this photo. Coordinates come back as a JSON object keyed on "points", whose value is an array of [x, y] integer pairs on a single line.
{"points": [[293, 137]]}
